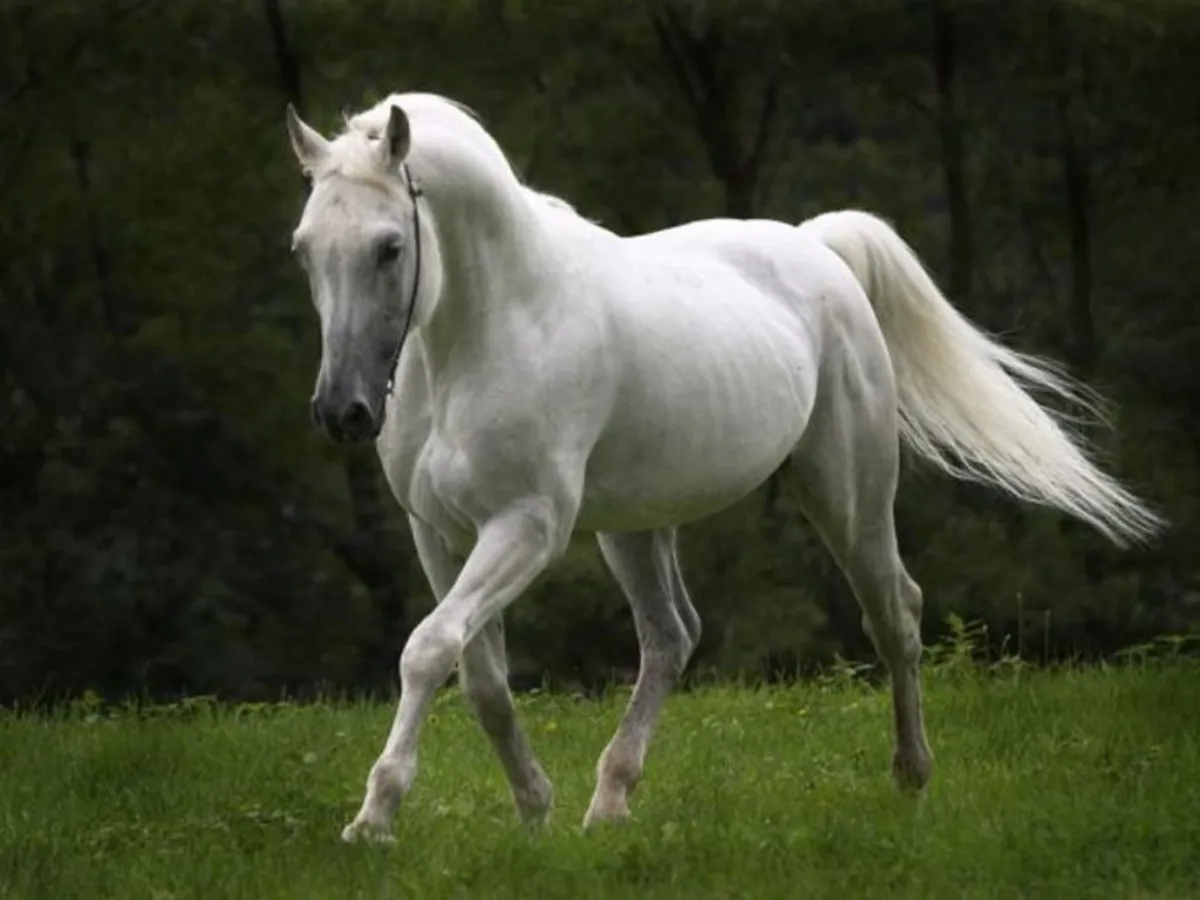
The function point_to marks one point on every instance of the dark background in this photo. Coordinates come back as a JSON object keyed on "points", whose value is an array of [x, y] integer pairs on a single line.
{"points": [[169, 520]]}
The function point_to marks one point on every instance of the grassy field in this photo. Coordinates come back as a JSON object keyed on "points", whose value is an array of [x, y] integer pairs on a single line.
{"points": [[1057, 785]]}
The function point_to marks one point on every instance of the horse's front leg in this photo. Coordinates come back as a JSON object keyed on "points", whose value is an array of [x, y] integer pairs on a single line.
{"points": [[483, 676], [511, 550]]}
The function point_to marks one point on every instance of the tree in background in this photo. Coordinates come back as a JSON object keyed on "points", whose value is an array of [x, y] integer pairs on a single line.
{"points": [[170, 522]]}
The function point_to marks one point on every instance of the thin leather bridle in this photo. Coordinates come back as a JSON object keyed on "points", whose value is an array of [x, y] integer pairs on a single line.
{"points": [[414, 194]]}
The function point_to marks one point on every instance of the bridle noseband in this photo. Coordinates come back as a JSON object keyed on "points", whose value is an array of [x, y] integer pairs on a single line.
{"points": [[414, 193]]}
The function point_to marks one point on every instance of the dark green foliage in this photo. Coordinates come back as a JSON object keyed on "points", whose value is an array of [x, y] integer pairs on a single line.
{"points": [[169, 522]]}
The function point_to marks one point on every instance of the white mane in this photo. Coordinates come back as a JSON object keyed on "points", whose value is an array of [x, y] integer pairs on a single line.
{"points": [[436, 119]]}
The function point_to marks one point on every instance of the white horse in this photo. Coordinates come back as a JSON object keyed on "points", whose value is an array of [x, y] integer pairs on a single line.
{"points": [[550, 376]]}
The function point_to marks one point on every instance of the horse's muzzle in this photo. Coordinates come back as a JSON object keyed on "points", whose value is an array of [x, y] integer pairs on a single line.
{"points": [[353, 423]]}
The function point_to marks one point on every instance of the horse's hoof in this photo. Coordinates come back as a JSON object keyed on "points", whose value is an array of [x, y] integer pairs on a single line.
{"points": [[367, 832], [610, 811], [535, 803]]}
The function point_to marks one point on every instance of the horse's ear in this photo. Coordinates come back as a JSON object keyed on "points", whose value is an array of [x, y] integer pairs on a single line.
{"points": [[397, 138], [308, 145]]}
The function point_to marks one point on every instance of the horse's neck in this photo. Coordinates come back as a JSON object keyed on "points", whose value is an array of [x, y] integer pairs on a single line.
{"points": [[490, 243]]}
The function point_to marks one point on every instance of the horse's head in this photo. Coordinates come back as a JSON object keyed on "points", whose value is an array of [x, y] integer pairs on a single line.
{"points": [[360, 241]]}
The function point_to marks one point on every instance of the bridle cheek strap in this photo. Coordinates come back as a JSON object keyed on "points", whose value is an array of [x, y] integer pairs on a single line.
{"points": [[414, 194]]}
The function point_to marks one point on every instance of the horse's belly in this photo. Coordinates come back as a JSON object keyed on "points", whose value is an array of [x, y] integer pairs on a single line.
{"points": [[644, 504], [699, 438]]}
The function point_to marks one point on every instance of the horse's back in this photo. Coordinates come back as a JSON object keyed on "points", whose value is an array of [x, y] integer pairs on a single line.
{"points": [[719, 328], [788, 263]]}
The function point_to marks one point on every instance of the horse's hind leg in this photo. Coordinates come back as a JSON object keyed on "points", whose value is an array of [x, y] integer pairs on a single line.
{"points": [[848, 466], [668, 628], [483, 677]]}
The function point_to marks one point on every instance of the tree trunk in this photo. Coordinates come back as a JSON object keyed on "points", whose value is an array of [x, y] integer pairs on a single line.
{"points": [[368, 551], [959, 243], [739, 197], [1068, 78], [286, 60], [81, 156], [694, 63]]}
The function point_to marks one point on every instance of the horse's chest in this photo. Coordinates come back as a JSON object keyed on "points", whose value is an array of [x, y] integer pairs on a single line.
{"points": [[446, 488], [489, 440], [421, 470], [426, 483]]}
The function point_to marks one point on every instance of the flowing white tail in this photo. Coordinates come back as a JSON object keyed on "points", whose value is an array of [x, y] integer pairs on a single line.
{"points": [[962, 405]]}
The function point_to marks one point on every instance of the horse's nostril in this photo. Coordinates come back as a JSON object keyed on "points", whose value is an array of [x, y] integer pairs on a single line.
{"points": [[357, 422]]}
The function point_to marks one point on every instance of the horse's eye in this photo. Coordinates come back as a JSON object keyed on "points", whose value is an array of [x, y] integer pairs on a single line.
{"points": [[389, 252]]}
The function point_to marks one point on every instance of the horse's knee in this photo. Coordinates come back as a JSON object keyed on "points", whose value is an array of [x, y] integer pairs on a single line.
{"points": [[666, 646], [430, 652], [911, 598]]}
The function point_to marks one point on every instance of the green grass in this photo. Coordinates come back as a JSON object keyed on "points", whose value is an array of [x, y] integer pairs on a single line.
{"points": [[1058, 785]]}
